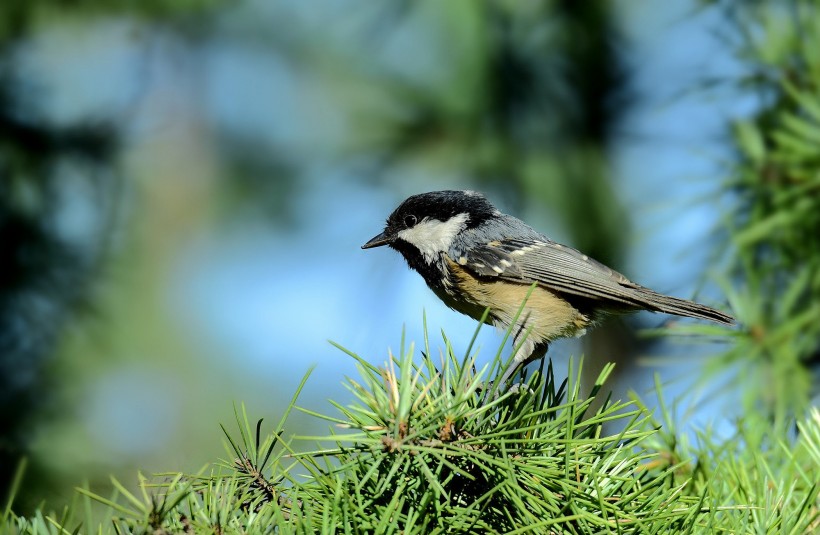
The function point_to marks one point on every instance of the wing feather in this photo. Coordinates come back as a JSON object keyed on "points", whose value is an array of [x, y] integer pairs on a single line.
{"points": [[568, 271], [554, 266]]}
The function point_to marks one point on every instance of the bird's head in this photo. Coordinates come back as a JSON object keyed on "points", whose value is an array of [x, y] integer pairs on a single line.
{"points": [[425, 225]]}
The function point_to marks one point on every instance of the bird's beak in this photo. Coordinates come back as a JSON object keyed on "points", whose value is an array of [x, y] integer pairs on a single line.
{"points": [[378, 241]]}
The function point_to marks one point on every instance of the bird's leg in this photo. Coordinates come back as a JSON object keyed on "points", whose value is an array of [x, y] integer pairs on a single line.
{"points": [[523, 357]]}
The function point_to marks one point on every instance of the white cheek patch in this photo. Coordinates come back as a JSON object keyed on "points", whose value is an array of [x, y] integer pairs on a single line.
{"points": [[432, 237]]}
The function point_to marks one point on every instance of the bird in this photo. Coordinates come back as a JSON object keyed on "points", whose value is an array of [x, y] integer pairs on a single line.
{"points": [[477, 259]]}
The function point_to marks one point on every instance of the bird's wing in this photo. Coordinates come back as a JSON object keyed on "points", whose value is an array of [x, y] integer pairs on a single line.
{"points": [[552, 265]]}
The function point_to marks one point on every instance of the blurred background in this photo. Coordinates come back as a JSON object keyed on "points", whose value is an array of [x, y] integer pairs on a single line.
{"points": [[185, 185]]}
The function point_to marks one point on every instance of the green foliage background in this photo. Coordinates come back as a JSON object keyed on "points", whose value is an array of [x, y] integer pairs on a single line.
{"points": [[428, 448], [427, 445]]}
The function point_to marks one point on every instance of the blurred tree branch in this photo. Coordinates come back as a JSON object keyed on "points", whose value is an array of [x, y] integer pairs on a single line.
{"points": [[45, 278], [772, 247]]}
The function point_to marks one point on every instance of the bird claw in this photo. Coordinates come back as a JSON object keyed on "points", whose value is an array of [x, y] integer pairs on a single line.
{"points": [[520, 388]]}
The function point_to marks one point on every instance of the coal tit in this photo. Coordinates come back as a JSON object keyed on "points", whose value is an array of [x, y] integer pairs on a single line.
{"points": [[476, 258]]}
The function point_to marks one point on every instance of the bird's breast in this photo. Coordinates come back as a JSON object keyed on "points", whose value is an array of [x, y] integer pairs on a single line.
{"points": [[548, 315]]}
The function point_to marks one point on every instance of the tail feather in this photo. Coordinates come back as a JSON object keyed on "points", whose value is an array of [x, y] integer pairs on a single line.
{"points": [[681, 307]]}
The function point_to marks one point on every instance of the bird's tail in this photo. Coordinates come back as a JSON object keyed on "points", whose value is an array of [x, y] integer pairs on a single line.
{"points": [[681, 307]]}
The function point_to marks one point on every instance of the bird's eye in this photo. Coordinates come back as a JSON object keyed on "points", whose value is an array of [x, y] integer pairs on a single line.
{"points": [[410, 220]]}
